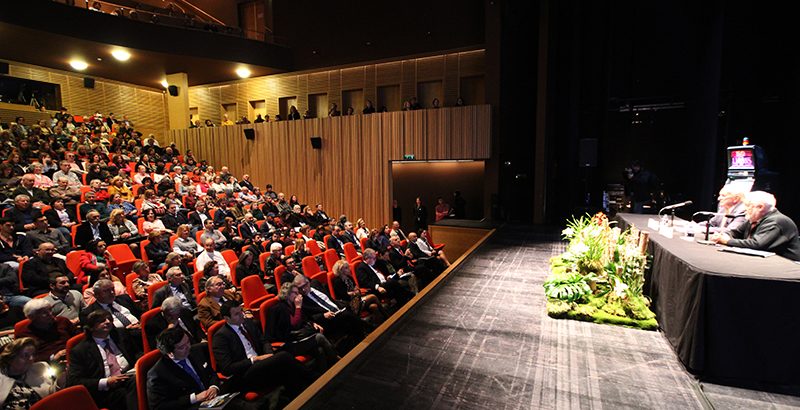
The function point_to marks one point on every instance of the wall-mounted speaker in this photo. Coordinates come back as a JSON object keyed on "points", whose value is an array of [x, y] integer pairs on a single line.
{"points": [[173, 90], [587, 152], [316, 142], [3, 68], [88, 82], [250, 133]]}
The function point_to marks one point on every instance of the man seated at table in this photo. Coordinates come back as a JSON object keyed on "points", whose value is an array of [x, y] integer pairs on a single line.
{"points": [[731, 202], [767, 230]]}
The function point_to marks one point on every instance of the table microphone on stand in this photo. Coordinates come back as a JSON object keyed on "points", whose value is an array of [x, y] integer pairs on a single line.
{"points": [[672, 208], [710, 215]]}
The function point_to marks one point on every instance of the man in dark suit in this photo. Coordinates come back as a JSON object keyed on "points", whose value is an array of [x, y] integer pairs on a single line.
{"points": [[199, 216], [350, 236], [91, 204], [92, 229], [221, 213], [23, 214], [174, 314], [177, 287], [125, 314], [36, 271], [241, 351], [766, 228], [336, 241], [182, 378], [100, 362], [248, 228], [378, 282], [321, 309], [38, 196], [173, 219]]}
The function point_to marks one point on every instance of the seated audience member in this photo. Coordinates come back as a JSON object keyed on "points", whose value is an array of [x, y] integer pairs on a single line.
{"points": [[248, 227], [122, 229], [50, 332], [117, 186], [66, 302], [95, 260], [158, 249], [119, 287], [182, 378], [346, 291], [349, 234], [731, 202], [397, 231], [125, 314], [198, 218], [40, 179], [37, 271], [210, 269], [276, 257], [91, 204], [442, 209], [143, 279], [61, 218], [211, 254], [423, 251], [65, 171], [231, 234], [23, 214], [380, 283], [211, 232], [70, 194], [361, 230], [184, 244], [128, 209], [208, 311], [767, 228], [336, 241], [243, 353], [247, 266], [42, 233], [221, 213], [334, 318], [173, 219], [23, 380], [152, 224], [100, 362], [292, 270], [9, 287], [92, 230], [286, 325], [173, 314], [37, 196], [176, 287]]}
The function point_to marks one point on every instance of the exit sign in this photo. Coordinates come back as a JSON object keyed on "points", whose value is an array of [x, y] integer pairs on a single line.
{"points": [[408, 156]]}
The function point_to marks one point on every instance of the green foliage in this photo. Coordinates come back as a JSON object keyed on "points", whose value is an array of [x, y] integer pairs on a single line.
{"points": [[570, 287]]}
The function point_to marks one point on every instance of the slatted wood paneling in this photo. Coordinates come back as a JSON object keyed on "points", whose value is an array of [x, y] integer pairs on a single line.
{"points": [[351, 171]]}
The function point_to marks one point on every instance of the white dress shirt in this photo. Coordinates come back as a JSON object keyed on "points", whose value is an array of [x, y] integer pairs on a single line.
{"points": [[102, 385]]}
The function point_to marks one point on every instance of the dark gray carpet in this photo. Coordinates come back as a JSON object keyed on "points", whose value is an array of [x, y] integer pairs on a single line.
{"points": [[483, 341]]}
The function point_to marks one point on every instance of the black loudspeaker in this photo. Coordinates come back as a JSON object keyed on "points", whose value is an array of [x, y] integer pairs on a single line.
{"points": [[88, 82], [3, 68], [587, 152], [250, 133], [173, 90], [316, 142]]}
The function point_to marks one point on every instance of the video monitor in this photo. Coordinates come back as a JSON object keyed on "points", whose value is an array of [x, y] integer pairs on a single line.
{"points": [[741, 158]]}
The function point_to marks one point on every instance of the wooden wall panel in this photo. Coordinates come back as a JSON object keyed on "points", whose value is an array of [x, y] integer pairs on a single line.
{"points": [[430, 68], [351, 173]]}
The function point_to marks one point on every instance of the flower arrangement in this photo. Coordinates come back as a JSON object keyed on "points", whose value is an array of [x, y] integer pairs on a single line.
{"points": [[600, 276]]}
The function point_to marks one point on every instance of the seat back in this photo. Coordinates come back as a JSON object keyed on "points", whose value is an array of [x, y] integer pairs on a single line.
{"points": [[142, 245], [263, 312], [350, 252], [262, 261], [363, 244], [353, 267], [19, 326], [74, 233], [143, 365], [72, 342], [123, 255], [322, 277], [234, 278], [151, 291], [210, 333], [331, 257], [129, 278], [172, 240], [230, 256], [310, 266], [313, 247], [19, 276], [278, 272], [73, 398], [74, 261], [198, 235], [288, 250], [252, 290], [196, 278], [200, 296], [329, 278], [146, 316]]}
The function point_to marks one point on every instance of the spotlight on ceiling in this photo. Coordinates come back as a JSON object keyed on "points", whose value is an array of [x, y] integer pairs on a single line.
{"points": [[164, 83], [243, 72], [79, 65], [121, 55]]}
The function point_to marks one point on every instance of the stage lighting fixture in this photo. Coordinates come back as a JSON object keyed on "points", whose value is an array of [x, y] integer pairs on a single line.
{"points": [[79, 65], [243, 72], [164, 83], [121, 55]]}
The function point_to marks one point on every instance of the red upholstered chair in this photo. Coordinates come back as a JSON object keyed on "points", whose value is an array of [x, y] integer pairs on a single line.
{"points": [[124, 257], [253, 292], [310, 266], [200, 296], [350, 252], [74, 233], [288, 250], [129, 278], [313, 247], [230, 256], [210, 333], [19, 277], [72, 342], [233, 266], [278, 273], [72, 398], [329, 278], [322, 277], [198, 235], [172, 240], [140, 226], [263, 315], [262, 261], [363, 244], [146, 316], [325, 239], [143, 251], [196, 278], [211, 212], [20, 325], [74, 261], [143, 365], [151, 291], [353, 267], [330, 257]]}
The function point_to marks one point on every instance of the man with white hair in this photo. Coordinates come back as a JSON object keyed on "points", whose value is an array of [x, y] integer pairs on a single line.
{"points": [[211, 254], [50, 332], [730, 209], [767, 229], [177, 288]]}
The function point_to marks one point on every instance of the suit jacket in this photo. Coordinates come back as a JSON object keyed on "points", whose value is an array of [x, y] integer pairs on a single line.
{"points": [[172, 222], [169, 386], [158, 324], [36, 274], [166, 291], [83, 234], [314, 312], [248, 231], [22, 217], [55, 221], [352, 238], [220, 215], [208, 309], [195, 220], [775, 232], [86, 365], [229, 351], [334, 244], [122, 300], [398, 259], [366, 277], [39, 195]]}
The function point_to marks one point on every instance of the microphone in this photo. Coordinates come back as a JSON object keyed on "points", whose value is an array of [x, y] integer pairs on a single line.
{"points": [[674, 206]]}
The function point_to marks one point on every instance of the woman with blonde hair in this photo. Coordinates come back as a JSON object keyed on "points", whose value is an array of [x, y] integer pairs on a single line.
{"points": [[117, 186], [345, 290], [122, 229], [184, 244]]}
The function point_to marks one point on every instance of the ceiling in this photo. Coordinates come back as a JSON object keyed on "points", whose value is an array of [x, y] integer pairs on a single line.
{"points": [[145, 68]]}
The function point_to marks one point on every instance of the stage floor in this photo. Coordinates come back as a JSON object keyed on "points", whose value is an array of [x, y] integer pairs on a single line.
{"points": [[483, 341]]}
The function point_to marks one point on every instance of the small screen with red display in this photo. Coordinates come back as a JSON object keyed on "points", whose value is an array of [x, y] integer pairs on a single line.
{"points": [[741, 159]]}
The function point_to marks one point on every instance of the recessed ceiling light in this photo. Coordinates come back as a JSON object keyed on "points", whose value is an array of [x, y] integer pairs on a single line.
{"points": [[79, 65], [99, 59], [164, 83], [243, 72], [121, 55]]}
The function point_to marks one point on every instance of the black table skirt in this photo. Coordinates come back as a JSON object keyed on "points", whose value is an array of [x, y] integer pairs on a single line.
{"points": [[730, 318]]}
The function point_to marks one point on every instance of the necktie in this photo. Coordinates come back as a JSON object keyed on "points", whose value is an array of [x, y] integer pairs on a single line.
{"points": [[192, 373], [113, 365], [321, 302], [117, 314], [249, 337]]}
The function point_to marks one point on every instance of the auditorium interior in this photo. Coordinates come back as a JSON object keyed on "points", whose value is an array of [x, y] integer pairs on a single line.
{"points": [[454, 204]]}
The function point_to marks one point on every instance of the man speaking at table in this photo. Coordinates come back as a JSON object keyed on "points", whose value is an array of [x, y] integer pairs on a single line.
{"points": [[767, 229]]}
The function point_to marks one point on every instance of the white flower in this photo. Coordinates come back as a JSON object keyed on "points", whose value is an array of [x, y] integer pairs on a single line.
{"points": [[620, 289], [568, 232], [579, 248]]}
